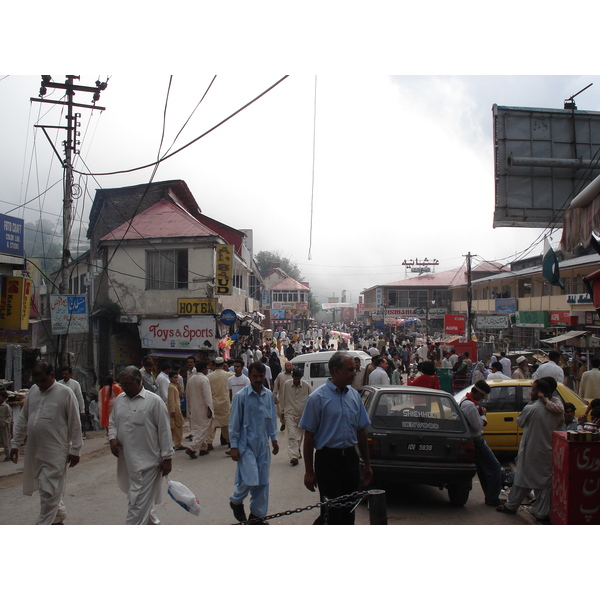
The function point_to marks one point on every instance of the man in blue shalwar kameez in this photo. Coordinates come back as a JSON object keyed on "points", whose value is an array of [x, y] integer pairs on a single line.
{"points": [[252, 422]]}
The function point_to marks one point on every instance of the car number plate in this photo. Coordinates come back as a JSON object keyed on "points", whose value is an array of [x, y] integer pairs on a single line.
{"points": [[420, 447]]}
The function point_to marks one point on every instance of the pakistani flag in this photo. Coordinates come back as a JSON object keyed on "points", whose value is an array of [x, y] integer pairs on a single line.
{"points": [[550, 266]]}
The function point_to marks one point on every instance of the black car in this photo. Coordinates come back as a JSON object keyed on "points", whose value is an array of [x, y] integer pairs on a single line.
{"points": [[419, 435]]}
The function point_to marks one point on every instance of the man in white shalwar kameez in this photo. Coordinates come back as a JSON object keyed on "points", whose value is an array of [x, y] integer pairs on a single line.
{"points": [[200, 409], [140, 437], [252, 422], [292, 400], [534, 461], [50, 421]]}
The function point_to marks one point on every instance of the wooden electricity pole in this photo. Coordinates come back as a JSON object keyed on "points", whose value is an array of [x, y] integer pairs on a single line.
{"points": [[70, 149]]}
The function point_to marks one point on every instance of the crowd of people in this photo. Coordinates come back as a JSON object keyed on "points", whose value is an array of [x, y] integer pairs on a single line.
{"points": [[252, 397]]}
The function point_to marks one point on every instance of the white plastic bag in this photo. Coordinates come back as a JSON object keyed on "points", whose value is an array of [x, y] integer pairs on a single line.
{"points": [[184, 497]]}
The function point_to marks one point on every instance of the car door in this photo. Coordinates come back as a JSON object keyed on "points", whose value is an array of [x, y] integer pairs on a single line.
{"points": [[501, 431]]}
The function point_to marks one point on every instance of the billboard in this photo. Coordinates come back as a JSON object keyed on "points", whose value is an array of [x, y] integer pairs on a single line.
{"points": [[15, 302], [543, 157], [454, 324]]}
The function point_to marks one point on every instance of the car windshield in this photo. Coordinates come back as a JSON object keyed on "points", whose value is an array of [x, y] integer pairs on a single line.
{"points": [[411, 411]]}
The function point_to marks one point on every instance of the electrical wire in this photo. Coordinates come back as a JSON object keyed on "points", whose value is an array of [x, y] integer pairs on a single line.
{"points": [[312, 188], [166, 157]]}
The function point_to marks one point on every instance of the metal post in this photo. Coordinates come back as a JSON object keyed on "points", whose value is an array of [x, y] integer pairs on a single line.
{"points": [[377, 507]]}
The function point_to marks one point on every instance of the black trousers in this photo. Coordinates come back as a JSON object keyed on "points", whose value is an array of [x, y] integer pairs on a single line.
{"points": [[337, 474]]}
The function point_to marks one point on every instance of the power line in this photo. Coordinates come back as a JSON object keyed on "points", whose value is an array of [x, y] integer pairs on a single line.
{"points": [[166, 157]]}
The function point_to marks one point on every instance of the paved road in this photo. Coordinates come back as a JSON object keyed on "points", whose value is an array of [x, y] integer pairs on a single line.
{"points": [[93, 498]]}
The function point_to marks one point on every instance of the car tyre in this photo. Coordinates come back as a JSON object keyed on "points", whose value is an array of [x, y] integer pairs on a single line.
{"points": [[458, 495]]}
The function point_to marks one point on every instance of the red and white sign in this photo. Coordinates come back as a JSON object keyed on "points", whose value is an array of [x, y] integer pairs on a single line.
{"points": [[561, 317], [193, 333], [360, 308], [454, 324]]}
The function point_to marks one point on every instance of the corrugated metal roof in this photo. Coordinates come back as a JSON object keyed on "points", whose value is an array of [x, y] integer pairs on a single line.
{"points": [[289, 284], [452, 277], [591, 260], [162, 220]]}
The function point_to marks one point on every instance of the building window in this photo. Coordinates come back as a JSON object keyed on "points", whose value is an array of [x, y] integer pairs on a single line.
{"points": [[238, 281], [166, 269], [407, 298], [525, 288]]}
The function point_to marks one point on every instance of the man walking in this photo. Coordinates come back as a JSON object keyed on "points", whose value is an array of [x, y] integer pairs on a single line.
{"points": [[285, 375], [174, 410], [590, 381], [238, 381], [497, 372], [334, 421], [357, 382], [379, 376], [534, 460], [148, 379], [67, 379], [221, 403], [50, 420], [252, 423], [292, 402], [200, 406], [163, 382], [506, 364], [140, 437], [551, 368], [521, 371], [489, 470]]}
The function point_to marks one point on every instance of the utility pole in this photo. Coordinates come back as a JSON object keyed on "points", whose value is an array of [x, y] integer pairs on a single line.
{"points": [[469, 296], [70, 149]]}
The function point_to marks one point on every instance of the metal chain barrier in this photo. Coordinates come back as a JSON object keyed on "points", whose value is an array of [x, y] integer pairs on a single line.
{"points": [[347, 501]]}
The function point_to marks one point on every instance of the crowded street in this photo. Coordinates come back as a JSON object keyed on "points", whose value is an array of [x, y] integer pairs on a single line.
{"points": [[93, 498]]}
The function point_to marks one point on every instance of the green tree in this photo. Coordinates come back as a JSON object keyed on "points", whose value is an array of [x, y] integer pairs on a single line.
{"points": [[265, 261]]}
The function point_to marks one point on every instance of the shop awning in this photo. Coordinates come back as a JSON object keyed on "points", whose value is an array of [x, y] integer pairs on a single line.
{"points": [[167, 353], [564, 337]]}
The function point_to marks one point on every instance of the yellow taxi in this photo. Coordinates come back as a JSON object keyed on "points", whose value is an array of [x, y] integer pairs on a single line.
{"points": [[505, 402]]}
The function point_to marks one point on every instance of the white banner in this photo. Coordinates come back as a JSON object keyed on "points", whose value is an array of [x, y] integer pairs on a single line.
{"points": [[194, 333], [68, 314], [491, 322]]}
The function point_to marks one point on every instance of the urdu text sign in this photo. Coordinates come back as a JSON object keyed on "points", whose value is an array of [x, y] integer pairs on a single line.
{"points": [[68, 314]]}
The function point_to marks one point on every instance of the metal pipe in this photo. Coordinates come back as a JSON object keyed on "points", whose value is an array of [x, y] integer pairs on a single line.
{"points": [[587, 194], [563, 163], [377, 507]]}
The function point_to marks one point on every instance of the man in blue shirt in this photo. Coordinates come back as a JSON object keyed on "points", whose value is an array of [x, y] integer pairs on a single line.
{"points": [[334, 421], [252, 422]]}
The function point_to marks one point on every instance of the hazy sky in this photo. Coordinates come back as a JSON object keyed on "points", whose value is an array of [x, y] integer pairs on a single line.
{"points": [[403, 166]]}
